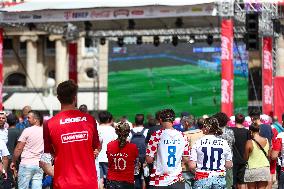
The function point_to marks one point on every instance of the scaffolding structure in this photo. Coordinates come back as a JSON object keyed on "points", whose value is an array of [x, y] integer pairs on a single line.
{"points": [[267, 13]]}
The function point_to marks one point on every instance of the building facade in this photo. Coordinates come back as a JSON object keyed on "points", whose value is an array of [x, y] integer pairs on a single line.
{"points": [[31, 57]]}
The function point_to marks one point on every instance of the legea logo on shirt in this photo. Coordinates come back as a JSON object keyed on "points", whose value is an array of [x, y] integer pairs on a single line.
{"points": [[74, 137], [72, 120]]}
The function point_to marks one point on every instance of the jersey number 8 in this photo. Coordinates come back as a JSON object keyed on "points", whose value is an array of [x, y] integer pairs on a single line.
{"points": [[172, 156]]}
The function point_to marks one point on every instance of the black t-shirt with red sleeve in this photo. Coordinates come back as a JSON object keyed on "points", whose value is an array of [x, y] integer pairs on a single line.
{"points": [[121, 162], [72, 137]]}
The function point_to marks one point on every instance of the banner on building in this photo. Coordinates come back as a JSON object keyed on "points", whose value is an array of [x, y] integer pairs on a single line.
{"points": [[267, 85], [1, 68], [91, 12], [72, 50], [227, 83], [279, 97]]}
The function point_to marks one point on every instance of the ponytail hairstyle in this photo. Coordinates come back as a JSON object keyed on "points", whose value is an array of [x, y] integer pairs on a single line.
{"points": [[211, 124], [253, 128], [122, 130]]}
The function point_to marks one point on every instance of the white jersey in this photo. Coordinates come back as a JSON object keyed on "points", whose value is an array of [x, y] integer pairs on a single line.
{"points": [[167, 147], [210, 153]]}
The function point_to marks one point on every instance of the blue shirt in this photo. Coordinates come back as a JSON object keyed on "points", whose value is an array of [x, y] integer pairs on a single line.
{"points": [[266, 132], [21, 126], [181, 128]]}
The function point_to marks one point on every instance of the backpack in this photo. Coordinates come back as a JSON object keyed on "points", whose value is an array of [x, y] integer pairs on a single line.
{"points": [[139, 139]]}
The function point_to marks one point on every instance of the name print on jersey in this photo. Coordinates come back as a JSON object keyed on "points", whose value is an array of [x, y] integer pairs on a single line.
{"points": [[216, 142], [74, 137], [166, 141], [72, 120]]}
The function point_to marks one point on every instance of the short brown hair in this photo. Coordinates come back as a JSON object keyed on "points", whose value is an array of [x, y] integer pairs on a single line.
{"points": [[66, 92]]}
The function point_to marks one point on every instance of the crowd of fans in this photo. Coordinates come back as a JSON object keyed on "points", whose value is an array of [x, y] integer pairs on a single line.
{"points": [[207, 152], [161, 151]]}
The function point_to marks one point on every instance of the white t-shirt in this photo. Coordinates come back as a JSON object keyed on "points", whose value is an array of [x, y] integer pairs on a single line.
{"points": [[3, 149], [4, 135], [167, 147], [210, 153], [136, 130], [106, 134]]}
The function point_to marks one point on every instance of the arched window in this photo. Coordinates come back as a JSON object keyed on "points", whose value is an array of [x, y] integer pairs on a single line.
{"points": [[15, 79]]}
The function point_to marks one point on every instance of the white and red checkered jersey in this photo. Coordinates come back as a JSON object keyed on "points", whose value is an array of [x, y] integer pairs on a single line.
{"points": [[210, 153], [167, 146]]}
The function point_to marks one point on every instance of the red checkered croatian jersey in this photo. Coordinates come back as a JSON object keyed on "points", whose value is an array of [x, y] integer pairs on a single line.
{"points": [[72, 137], [167, 146], [278, 145], [121, 161], [210, 153]]}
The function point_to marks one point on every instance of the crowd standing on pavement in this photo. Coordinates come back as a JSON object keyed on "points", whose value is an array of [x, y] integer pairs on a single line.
{"points": [[74, 150]]}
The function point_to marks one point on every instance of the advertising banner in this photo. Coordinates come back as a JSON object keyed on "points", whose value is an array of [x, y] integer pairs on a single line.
{"points": [[279, 97], [227, 68], [267, 85], [80, 14]]}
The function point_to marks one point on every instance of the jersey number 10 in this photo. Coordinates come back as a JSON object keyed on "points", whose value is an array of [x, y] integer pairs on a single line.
{"points": [[119, 164], [212, 158]]}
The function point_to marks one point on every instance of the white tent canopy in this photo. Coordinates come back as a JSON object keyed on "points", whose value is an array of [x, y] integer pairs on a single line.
{"points": [[40, 102]]}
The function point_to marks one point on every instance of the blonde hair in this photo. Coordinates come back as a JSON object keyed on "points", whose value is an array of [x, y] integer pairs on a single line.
{"points": [[122, 130]]}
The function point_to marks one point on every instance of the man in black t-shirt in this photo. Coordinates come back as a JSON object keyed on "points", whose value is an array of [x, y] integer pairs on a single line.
{"points": [[13, 136], [241, 137]]}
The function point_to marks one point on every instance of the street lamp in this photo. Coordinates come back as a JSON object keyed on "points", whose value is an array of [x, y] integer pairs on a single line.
{"points": [[50, 84]]}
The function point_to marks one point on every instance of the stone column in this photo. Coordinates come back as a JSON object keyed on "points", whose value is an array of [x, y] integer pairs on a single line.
{"points": [[61, 60], [41, 76], [31, 64], [280, 56]]}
